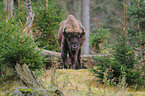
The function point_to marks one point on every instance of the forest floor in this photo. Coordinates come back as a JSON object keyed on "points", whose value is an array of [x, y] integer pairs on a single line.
{"points": [[83, 83], [74, 83]]}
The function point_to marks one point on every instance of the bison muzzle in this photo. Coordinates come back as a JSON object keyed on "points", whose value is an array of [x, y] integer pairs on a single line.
{"points": [[71, 36]]}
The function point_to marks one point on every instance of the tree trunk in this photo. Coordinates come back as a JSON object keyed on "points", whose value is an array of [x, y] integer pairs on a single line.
{"points": [[9, 7], [12, 7], [46, 6], [63, 4], [29, 14], [19, 4], [5, 6], [34, 86], [86, 23], [77, 9], [48, 53], [27, 76], [30, 17]]}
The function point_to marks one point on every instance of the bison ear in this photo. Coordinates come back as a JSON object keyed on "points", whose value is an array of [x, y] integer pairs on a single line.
{"points": [[65, 34]]}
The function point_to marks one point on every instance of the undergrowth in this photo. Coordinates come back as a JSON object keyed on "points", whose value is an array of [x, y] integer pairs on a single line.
{"points": [[83, 83], [77, 83]]}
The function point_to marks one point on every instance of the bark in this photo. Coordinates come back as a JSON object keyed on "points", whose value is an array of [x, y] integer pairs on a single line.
{"points": [[30, 17], [27, 76], [86, 23], [19, 4], [77, 9], [63, 4], [124, 18], [5, 6], [50, 54], [9, 7], [34, 86], [46, 6]]}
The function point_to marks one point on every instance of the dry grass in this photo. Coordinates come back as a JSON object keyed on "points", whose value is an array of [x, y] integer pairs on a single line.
{"points": [[83, 83], [73, 83]]}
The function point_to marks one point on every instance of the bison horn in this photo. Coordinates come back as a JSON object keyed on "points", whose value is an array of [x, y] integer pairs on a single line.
{"points": [[64, 32], [65, 29], [83, 32]]}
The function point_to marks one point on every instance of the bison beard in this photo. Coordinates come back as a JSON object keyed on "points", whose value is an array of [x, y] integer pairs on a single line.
{"points": [[71, 36]]}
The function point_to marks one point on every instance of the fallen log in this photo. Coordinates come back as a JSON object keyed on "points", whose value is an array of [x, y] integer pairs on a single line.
{"points": [[86, 60], [48, 53]]}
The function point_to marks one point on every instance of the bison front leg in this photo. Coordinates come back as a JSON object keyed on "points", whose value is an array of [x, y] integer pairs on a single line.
{"points": [[73, 60], [64, 56], [79, 60], [73, 63]]}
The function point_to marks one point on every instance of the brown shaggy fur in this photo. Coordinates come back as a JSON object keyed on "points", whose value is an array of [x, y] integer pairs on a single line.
{"points": [[71, 36]]}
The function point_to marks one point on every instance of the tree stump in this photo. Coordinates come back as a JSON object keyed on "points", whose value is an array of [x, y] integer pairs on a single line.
{"points": [[34, 86]]}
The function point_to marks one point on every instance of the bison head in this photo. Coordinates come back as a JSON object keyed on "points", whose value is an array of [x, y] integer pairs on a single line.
{"points": [[73, 39]]}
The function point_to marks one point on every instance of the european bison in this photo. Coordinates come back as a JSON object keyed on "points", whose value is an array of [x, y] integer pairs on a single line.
{"points": [[71, 36]]}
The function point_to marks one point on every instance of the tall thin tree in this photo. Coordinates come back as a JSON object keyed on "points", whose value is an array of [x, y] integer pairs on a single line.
{"points": [[19, 4], [86, 23], [9, 7], [77, 9], [30, 17], [46, 6], [124, 17]]}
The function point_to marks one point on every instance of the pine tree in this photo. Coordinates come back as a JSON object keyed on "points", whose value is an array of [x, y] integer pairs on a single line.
{"points": [[47, 20], [122, 61], [98, 37], [136, 14], [125, 57], [17, 46]]}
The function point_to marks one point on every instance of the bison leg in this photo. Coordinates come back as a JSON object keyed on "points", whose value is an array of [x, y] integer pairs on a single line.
{"points": [[79, 60], [76, 60], [73, 58], [64, 56], [73, 61]]}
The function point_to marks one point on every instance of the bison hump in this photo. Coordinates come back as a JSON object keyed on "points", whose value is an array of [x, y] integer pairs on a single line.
{"points": [[72, 24]]}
